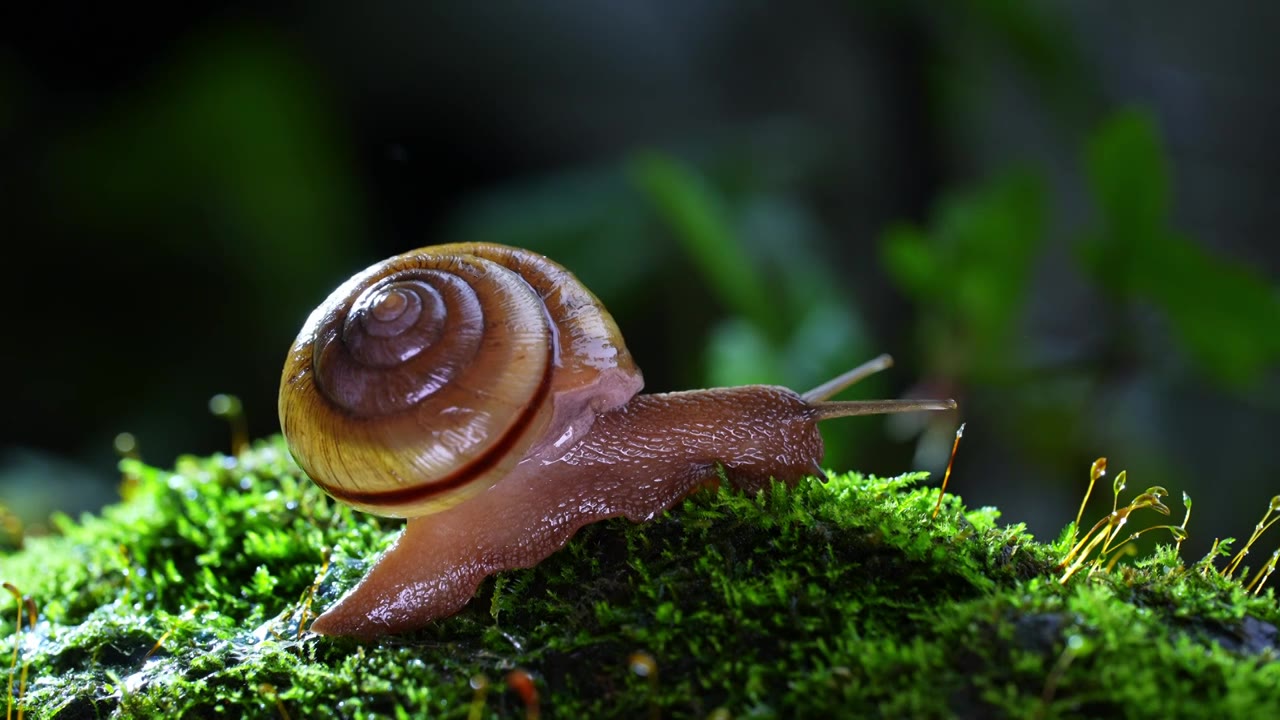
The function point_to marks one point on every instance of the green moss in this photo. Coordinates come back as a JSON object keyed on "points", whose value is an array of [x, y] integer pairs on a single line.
{"points": [[185, 600]]}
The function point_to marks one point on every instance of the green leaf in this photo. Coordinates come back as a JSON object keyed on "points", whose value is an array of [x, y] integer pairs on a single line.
{"points": [[907, 257], [701, 223], [969, 270], [1225, 316], [1130, 176]]}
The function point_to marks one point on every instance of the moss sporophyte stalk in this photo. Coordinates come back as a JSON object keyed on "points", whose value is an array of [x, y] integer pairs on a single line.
{"points": [[191, 598]]}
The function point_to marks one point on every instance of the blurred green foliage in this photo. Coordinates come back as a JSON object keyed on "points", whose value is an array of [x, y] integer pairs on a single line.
{"points": [[788, 326], [1224, 315], [700, 221], [969, 272], [233, 139], [787, 323]]}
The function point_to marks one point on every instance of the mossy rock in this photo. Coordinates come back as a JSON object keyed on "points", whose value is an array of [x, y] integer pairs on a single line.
{"points": [[843, 598]]}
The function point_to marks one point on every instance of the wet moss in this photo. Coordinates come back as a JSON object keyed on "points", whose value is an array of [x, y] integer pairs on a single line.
{"points": [[185, 600]]}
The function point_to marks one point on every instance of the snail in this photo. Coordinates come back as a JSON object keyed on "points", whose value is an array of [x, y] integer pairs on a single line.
{"points": [[483, 393]]}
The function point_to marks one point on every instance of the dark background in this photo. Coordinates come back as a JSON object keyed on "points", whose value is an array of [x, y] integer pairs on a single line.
{"points": [[1061, 213]]}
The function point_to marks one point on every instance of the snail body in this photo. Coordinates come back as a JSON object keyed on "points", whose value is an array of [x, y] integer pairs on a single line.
{"points": [[484, 394]]}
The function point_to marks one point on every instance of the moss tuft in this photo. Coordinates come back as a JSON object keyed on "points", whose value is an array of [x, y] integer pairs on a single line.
{"points": [[186, 599]]}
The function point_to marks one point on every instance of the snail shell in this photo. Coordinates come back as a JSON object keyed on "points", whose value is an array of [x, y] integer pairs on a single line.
{"points": [[423, 379]]}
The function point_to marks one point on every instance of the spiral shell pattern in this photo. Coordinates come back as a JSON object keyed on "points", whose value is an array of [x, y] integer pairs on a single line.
{"points": [[425, 378]]}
